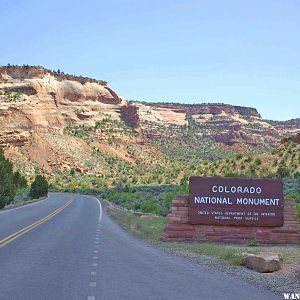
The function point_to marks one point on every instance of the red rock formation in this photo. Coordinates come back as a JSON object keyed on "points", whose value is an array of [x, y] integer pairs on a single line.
{"points": [[14, 137], [49, 99], [129, 114], [214, 109], [294, 138], [27, 90]]}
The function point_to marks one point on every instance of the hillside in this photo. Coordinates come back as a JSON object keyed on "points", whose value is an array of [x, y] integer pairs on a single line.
{"points": [[282, 162], [69, 126], [209, 131]]}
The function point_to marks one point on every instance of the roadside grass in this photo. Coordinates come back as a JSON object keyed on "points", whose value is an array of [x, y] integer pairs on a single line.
{"points": [[150, 228], [298, 211]]}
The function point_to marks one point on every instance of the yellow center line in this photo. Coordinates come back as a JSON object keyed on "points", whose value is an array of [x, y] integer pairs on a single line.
{"points": [[24, 230]]}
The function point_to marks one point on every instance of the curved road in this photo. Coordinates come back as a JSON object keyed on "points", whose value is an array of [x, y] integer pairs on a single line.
{"points": [[64, 248]]}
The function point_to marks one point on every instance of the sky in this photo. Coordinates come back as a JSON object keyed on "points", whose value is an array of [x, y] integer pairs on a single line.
{"points": [[191, 51]]}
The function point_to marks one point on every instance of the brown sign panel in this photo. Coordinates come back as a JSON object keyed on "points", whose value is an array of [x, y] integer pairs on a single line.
{"points": [[235, 201]]}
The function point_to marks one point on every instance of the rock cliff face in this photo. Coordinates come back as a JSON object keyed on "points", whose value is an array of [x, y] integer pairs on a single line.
{"points": [[291, 124], [35, 101], [14, 137], [294, 138], [34, 97], [227, 125], [202, 109], [130, 115], [37, 72]]}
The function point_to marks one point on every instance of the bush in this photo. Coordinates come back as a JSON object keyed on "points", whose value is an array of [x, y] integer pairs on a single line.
{"points": [[39, 187], [154, 199]]}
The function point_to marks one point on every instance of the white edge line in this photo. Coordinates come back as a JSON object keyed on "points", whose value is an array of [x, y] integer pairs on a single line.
{"points": [[23, 206], [100, 207]]}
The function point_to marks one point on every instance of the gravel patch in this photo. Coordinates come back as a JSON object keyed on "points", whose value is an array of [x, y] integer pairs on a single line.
{"points": [[283, 281]]}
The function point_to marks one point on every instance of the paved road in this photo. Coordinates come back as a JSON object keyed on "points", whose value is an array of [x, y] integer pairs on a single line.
{"points": [[70, 254]]}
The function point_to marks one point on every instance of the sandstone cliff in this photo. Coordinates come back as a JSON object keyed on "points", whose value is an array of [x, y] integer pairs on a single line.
{"points": [[36, 97], [36, 102]]}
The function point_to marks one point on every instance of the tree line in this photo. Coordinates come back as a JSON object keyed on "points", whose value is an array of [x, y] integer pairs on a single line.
{"points": [[11, 182]]}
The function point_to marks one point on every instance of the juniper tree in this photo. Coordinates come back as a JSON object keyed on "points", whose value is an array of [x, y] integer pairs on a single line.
{"points": [[39, 187]]}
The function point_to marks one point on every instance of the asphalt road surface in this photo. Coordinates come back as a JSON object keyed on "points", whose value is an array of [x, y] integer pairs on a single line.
{"points": [[65, 247]]}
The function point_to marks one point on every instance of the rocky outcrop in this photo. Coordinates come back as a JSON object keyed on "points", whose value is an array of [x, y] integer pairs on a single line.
{"points": [[213, 109], [228, 137], [14, 137], [294, 139], [228, 125], [129, 114], [292, 124], [22, 89], [32, 97]]}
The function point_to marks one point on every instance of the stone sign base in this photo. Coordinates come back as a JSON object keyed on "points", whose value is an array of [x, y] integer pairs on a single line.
{"points": [[178, 228]]}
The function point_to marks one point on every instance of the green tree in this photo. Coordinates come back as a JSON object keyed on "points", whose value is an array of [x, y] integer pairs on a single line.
{"points": [[39, 187], [7, 187]]}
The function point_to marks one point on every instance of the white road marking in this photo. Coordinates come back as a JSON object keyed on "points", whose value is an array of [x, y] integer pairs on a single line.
{"points": [[100, 208], [93, 284], [23, 206]]}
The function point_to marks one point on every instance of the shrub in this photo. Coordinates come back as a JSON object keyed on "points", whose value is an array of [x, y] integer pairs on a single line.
{"points": [[39, 187], [150, 206], [283, 170], [238, 156], [293, 195], [258, 161]]}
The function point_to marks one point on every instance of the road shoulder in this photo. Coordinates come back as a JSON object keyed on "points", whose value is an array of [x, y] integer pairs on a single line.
{"points": [[224, 258]]}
